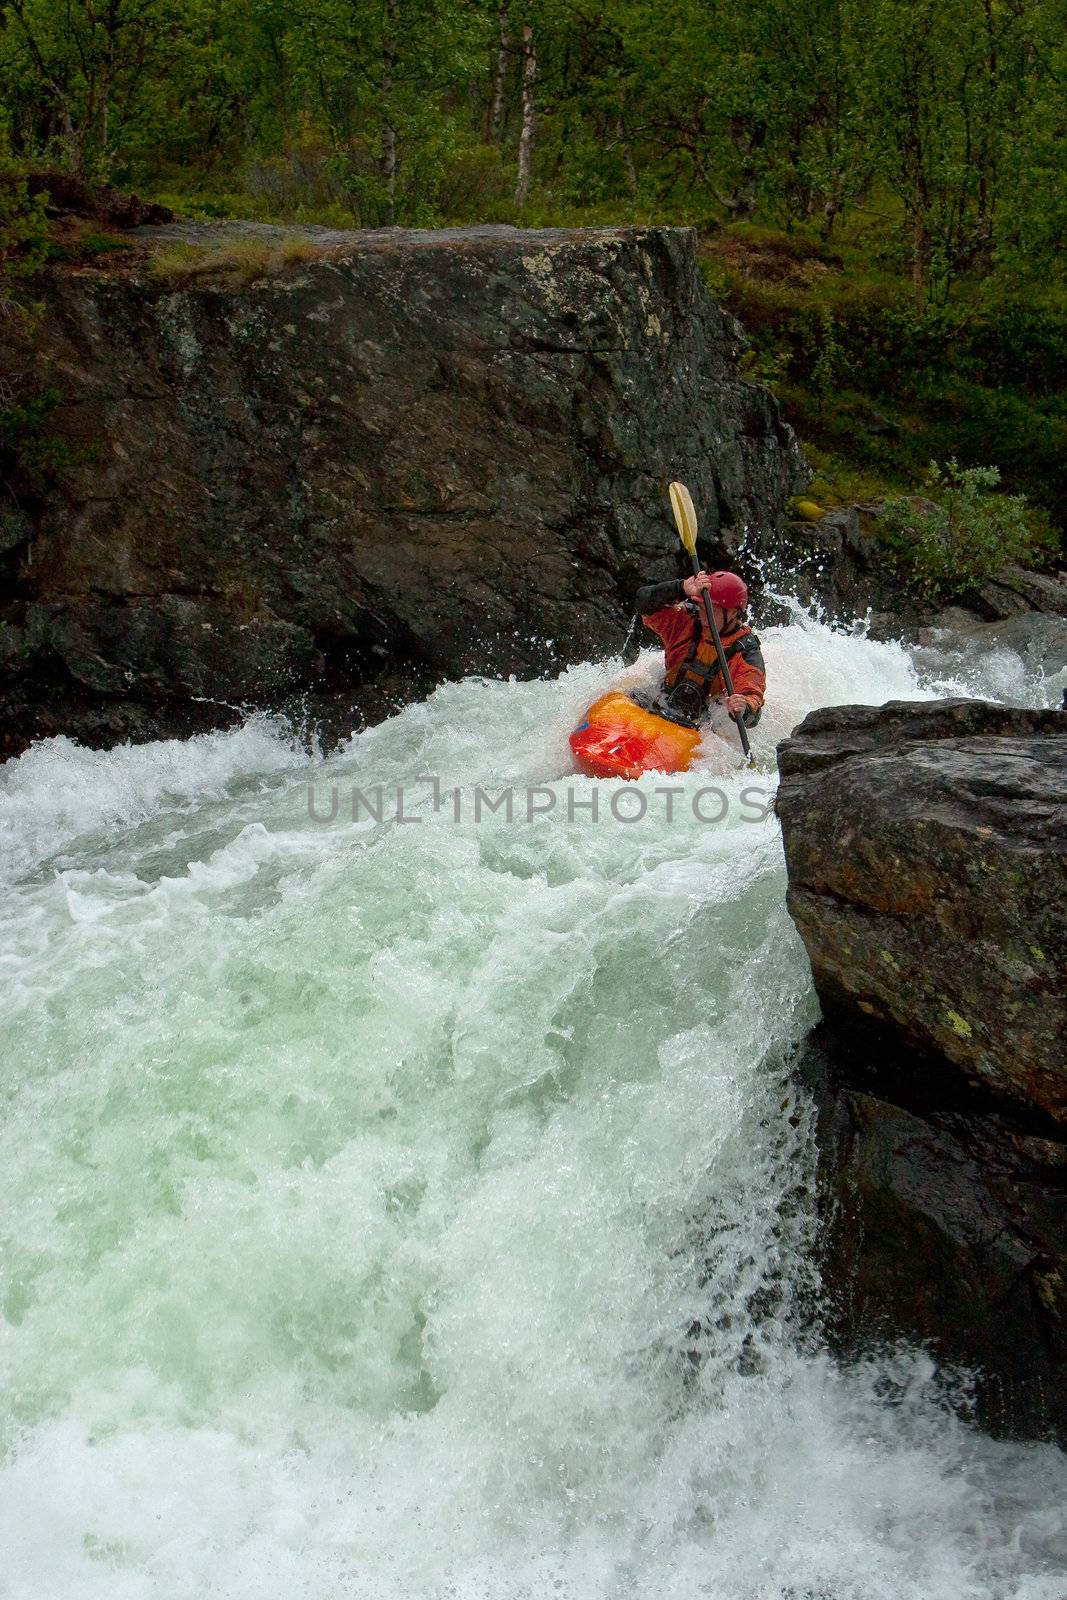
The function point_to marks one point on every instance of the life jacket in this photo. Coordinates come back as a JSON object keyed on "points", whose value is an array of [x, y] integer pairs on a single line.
{"points": [[696, 677]]}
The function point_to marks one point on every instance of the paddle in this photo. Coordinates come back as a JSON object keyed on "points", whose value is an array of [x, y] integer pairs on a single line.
{"points": [[685, 519]]}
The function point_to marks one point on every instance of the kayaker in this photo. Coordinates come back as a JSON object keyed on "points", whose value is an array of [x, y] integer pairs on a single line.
{"points": [[675, 610]]}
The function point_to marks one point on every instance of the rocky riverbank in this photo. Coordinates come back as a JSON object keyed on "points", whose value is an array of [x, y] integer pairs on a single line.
{"points": [[357, 464], [837, 563], [927, 877]]}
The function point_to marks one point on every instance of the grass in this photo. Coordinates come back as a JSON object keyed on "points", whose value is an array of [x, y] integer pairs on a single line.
{"points": [[238, 264], [295, 250], [836, 481]]}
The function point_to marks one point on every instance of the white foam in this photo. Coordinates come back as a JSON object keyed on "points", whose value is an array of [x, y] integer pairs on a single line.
{"points": [[396, 1209], [60, 791]]}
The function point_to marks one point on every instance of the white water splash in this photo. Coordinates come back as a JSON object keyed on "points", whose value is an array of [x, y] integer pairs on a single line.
{"points": [[423, 1209]]}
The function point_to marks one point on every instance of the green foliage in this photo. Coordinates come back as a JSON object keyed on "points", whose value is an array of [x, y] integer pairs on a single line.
{"points": [[829, 357], [23, 223], [882, 182], [958, 537], [86, 247], [839, 482], [765, 364], [944, 113], [871, 381], [103, 244]]}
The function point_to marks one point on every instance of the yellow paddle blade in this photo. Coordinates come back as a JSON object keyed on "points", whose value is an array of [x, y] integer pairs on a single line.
{"points": [[685, 516]]}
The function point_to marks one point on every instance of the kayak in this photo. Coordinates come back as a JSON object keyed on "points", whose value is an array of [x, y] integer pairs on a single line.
{"points": [[620, 739]]}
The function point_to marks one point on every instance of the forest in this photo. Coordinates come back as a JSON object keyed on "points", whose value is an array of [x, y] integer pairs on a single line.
{"points": [[879, 184]]}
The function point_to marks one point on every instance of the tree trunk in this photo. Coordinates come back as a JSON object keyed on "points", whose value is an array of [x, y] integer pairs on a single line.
{"points": [[529, 114], [104, 130], [626, 148], [73, 142], [920, 244], [494, 118], [388, 157], [747, 139], [112, 26]]}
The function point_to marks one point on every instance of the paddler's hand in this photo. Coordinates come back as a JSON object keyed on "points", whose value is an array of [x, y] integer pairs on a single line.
{"points": [[736, 704], [695, 585]]}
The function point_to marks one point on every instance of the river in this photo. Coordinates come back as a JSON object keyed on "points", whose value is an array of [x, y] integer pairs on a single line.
{"points": [[420, 1207]]}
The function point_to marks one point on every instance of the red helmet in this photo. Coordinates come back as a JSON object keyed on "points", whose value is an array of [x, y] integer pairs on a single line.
{"points": [[728, 590]]}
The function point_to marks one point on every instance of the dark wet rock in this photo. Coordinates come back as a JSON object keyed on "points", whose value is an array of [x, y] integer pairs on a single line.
{"points": [[15, 529], [177, 646], [1016, 591], [835, 563], [925, 846], [928, 878], [407, 457], [940, 1225]]}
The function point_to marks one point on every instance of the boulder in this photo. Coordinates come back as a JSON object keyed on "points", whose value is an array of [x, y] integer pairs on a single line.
{"points": [[925, 845], [834, 562], [343, 466], [1015, 590], [942, 1224]]}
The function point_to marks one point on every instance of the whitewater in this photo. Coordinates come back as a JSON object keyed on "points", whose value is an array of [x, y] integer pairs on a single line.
{"points": [[421, 1206]]}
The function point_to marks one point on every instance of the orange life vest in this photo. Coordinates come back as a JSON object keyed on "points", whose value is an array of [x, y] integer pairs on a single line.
{"points": [[699, 667]]}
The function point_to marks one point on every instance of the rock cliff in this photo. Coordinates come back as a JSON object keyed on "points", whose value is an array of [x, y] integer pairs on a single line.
{"points": [[928, 878], [387, 459]]}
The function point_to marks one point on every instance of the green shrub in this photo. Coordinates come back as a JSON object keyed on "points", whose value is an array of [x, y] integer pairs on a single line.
{"points": [[23, 224], [103, 244], [958, 537], [716, 278], [763, 364]]}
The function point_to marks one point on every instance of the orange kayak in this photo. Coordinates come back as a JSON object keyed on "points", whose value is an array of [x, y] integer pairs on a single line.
{"points": [[620, 739]]}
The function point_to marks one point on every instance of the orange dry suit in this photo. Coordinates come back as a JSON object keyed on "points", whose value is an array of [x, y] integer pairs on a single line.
{"points": [[693, 677]]}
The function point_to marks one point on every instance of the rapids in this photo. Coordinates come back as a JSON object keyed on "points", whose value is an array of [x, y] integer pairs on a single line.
{"points": [[420, 1207]]}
